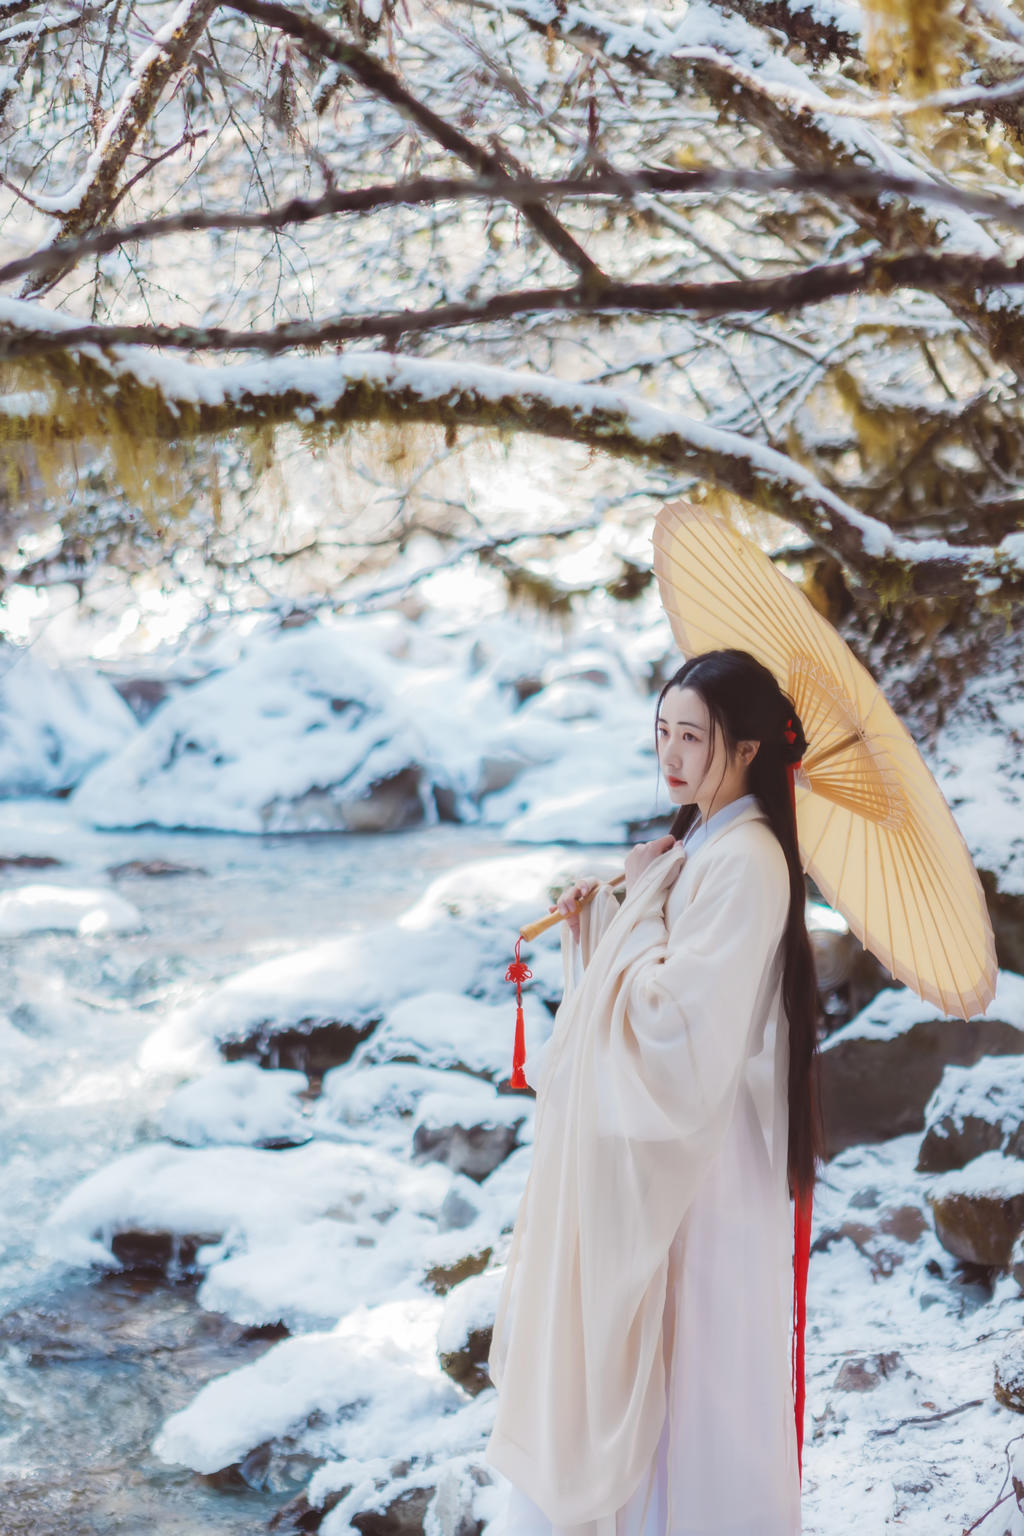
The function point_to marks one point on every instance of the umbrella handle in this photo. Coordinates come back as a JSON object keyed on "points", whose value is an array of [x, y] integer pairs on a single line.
{"points": [[544, 923]]}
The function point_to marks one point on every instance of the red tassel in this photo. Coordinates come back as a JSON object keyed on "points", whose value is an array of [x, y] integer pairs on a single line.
{"points": [[518, 972], [801, 1235]]}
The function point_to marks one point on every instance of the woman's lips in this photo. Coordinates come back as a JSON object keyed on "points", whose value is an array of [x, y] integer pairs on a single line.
{"points": [[676, 783]]}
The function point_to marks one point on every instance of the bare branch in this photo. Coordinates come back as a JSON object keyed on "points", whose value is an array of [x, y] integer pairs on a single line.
{"points": [[426, 190], [775, 295], [370, 73]]}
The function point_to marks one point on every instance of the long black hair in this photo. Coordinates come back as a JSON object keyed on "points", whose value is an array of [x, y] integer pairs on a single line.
{"points": [[745, 703]]}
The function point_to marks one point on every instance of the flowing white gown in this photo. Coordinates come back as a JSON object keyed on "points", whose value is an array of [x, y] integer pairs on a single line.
{"points": [[726, 1463]]}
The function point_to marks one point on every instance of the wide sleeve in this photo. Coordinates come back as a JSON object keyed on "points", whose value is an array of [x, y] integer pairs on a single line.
{"points": [[690, 1003], [594, 920]]}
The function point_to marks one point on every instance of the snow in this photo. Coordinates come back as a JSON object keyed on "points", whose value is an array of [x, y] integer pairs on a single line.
{"points": [[307, 713], [237, 1102], [469, 1308], [445, 1029], [991, 1090], [373, 1378], [896, 1010], [992, 1173], [55, 723], [82, 910]]}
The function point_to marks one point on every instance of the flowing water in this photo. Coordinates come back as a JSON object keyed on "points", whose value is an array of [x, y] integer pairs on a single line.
{"points": [[90, 1365]]}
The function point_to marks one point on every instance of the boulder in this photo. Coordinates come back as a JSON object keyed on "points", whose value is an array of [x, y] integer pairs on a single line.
{"points": [[865, 1373], [403, 1516], [979, 1210], [470, 1134], [313, 1046], [241, 1104], [974, 1110], [880, 1070], [464, 1334]]}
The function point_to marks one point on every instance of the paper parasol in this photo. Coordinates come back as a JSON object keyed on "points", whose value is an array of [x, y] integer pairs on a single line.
{"points": [[875, 833]]}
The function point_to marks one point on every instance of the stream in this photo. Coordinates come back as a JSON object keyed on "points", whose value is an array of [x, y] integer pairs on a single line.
{"points": [[91, 1364]]}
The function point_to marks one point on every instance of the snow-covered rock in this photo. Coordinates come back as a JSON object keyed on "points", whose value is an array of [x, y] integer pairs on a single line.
{"points": [[370, 1389], [239, 1103], [85, 910], [464, 1333], [979, 1209], [324, 999], [974, 1110], [55, 723], [448, 1029], [880, 1070], [470, 1133], [305, 733]]}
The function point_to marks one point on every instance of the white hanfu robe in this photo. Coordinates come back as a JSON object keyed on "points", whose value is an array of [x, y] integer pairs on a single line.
{"points": [[693, 1018]]}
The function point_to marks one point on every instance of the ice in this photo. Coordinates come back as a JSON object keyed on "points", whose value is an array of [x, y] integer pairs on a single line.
{"points": [[82, 910]]}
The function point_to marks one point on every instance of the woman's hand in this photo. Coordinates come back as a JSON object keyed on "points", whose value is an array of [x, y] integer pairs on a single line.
{"points": [[569, 902], [638, 857]]}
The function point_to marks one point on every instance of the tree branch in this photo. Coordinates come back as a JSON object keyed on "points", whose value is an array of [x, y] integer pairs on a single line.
{"points": [[136, 394], [370, 73], [806, 138], [775, 295], [94, 197], [839, 184]]}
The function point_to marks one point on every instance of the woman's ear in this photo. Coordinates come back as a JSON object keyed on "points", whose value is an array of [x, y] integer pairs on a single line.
{"points": [[747, 751]]}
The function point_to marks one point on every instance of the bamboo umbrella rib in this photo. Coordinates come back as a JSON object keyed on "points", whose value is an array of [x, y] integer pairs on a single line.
{"points": [[736, 590], [926, 875], [883, 855], [741, 591]]}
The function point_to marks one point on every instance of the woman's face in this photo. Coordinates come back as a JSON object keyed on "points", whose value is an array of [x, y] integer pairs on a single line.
{"points": [[684, 737]]}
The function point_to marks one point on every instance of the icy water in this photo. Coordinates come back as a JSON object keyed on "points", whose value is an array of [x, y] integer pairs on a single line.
{"points": [[91, 1365]]}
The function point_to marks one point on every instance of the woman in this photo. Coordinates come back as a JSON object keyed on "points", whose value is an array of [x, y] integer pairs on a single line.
{"points": [[641, 1347]]}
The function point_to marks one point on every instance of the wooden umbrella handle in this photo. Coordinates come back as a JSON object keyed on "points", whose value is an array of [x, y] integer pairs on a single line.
{"points": [[544, 923]]}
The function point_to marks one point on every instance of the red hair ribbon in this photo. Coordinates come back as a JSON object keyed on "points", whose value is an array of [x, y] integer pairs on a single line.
{"points": [[801, 1226], [518, 972]]}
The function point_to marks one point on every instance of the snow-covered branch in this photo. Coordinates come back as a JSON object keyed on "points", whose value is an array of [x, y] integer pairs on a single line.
{"points": [[427, 191], [774, 295], [809, 139], [93, 197], [177, 401]]}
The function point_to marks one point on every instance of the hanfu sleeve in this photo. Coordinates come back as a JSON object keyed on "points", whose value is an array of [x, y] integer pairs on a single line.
{"points": [[594, 919], [694, 997]]}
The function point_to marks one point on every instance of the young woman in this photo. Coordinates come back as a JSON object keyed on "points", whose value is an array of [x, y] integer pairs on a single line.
{"points": [[641, 1348]]}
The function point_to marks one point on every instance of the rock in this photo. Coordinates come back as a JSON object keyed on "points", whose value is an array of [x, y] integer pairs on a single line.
{"points": [[880, 1239], [863, 1375], [28, 861], [470, 1134], [160, 1253], [979, 1210], [464, 1334], [388, 804], [134, 867], [1007, 913], [974, 1110], [879, 1071], [312, 1046], [142, 694], [1009, 1377], [402, 1517], [443, 1277]]}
